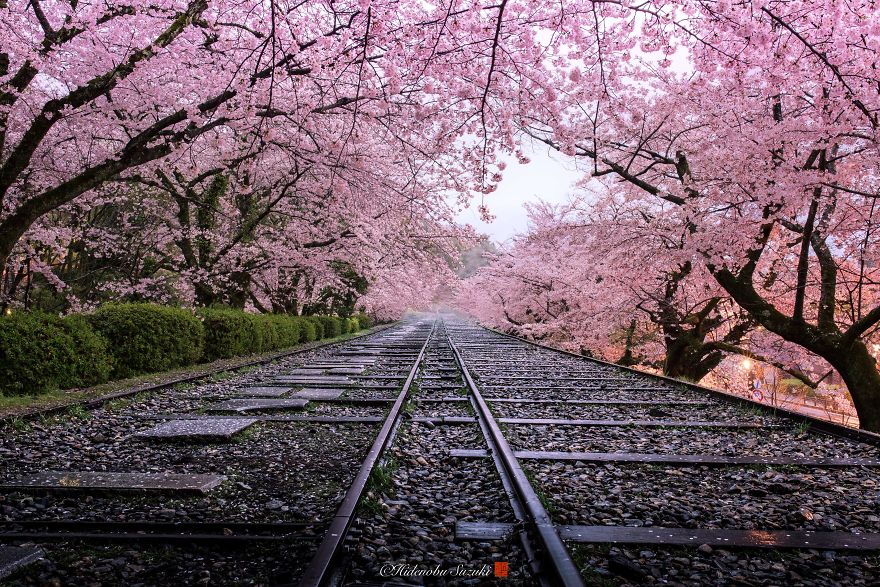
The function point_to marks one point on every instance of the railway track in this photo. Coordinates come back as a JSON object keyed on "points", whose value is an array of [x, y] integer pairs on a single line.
{"points": [[437, 452]]}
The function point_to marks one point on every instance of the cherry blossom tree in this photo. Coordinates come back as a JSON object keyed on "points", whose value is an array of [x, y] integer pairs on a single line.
{"points": [[262, 132], [753, 127]]}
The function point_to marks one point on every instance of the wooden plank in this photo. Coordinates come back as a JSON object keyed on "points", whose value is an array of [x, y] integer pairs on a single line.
{"points": [[317, 393], [640, 423], [726, 538], [480, 531], [609, 402], [448, 420], [315, 381], [264, 391], [695, 459], [310, 418], [722, 537], [468, 453]]}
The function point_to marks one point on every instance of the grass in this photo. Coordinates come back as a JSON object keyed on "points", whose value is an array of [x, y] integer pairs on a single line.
{"points": [[28, 405], [79, 412], [551, 511], [371, 506], [802, 428], [754, 410], [381, 481], [246, 435], [381, 478], [121, 403], [580, 556], [20, 424]]}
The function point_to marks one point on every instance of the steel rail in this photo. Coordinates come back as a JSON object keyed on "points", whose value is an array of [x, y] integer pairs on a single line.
{"points": [[817, 424], [561, 569], [97, 402], [321, 569]]}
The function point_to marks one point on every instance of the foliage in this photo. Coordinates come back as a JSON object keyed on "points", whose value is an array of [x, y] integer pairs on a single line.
{"points": [[229, 333], [146, 338], [40, 352], [232, 332], [289, 330], [307, 330], [215, 206], [363, 321], [92, 362], [742, 136]]}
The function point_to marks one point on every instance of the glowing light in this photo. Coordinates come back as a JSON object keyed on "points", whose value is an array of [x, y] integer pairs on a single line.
{"points": [[9, 313], [746, 363]]}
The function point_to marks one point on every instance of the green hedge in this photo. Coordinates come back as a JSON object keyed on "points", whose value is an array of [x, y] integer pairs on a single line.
{"points": [[364, 321], [318, 325], [228, 334], [41, 353], [146, 338]]}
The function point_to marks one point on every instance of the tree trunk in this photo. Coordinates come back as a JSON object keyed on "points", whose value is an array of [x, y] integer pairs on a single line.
{"points": [[628, 359], [205, 296], [687, 358], [859, 371]]}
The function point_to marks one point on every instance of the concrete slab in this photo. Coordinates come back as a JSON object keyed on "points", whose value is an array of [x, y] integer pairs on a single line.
{"points": [[307, 371], [215, 429], [312, 393], [133, 481], [264, 391], [319, 381], [335, 364], [248, 405], [345, 370], [14, 557]]}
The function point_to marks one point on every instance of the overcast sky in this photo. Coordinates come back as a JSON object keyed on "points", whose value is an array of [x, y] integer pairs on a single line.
{"points": [[548, 176]]}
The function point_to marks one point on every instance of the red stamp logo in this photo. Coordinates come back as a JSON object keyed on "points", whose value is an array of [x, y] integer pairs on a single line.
{"points": [[501, 569]]}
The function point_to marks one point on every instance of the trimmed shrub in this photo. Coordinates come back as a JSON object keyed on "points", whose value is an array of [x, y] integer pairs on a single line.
{"points": [[344, 325], [332, 327], [308, 331], [289, 330], [147, 338], [319, 326], [353, 324], [228, 333], [364, 321], [92, 363], [265, 337], [272, 327], [41, 353]]}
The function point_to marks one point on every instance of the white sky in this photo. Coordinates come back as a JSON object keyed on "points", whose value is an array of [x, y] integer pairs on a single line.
{"points": [[549, 176]]}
